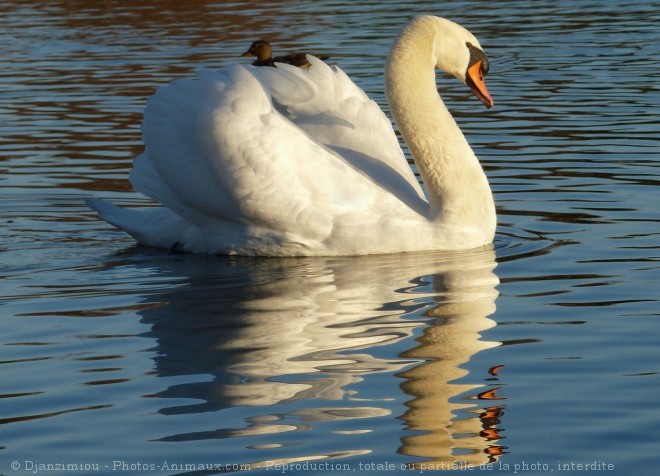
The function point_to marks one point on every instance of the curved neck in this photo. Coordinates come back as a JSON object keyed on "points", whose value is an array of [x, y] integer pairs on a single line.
{"points": [[456, 185]]}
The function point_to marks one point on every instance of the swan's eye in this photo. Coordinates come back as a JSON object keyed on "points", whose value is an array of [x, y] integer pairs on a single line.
{"points": [[469, 45]]}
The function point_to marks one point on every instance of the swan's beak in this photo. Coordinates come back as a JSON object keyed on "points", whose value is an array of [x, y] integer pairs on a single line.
{"points": [[248, 53], [474, 78]]}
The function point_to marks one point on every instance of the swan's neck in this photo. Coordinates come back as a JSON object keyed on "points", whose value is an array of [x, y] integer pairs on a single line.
{"points": [[456, 185]]}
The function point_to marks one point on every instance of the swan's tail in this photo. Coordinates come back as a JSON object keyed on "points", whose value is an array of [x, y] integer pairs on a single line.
{"points": [[106, 210], [157, 226]]}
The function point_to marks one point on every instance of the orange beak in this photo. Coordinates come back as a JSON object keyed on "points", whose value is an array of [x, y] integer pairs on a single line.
{"points": [[475, 81]]}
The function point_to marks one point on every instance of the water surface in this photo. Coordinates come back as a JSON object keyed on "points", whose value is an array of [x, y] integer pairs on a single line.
{"points": [[542, 351]]}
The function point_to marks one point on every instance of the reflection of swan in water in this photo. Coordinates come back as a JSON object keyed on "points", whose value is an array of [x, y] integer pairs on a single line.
{"points": [[466, 298], [272, 333]]}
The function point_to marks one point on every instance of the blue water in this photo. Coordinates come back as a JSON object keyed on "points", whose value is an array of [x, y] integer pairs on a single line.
{"points": [[536, 356]]}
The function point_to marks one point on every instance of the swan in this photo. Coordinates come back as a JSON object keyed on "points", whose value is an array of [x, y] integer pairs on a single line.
{"points": [[264, 53], [292, 162]]}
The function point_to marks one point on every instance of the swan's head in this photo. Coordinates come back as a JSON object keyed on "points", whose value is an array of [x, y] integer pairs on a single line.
{"points": [[261, 49], [458, 52]]}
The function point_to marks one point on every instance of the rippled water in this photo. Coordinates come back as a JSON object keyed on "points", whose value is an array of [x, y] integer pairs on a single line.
{"points": [[132, 360]]}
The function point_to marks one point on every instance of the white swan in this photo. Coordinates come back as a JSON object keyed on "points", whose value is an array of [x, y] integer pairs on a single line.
{"points": [[284, 161]]}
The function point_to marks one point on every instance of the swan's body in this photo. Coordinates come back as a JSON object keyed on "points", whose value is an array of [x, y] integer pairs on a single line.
{"points": [[284, 161]]}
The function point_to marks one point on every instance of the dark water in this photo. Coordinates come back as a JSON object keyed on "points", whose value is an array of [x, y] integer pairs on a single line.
{"points": [[119, 359]]}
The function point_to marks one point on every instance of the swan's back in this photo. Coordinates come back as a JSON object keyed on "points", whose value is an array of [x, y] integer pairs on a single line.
{"points": [[326, 104], [268, 161]]}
